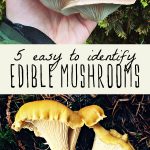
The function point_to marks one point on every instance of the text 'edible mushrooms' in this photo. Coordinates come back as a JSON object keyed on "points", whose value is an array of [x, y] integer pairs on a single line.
{"points": [[110, 140], [51, 120], [92, 9]]}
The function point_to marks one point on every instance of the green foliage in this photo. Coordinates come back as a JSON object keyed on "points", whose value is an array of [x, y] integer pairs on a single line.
{"points": [[2, 9], [144, 3], [130, 24], [7, 139]]}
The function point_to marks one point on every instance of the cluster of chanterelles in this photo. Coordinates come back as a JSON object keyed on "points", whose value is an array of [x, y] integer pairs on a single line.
{"points": [[60, 126], [92, 9]]}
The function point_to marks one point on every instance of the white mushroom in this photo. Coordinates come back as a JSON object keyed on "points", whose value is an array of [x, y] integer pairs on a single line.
{"points": [[92, 9], [56, 5]]}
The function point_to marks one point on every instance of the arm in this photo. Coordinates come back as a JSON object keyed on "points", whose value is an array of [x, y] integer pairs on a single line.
{"points": [[61, 29]]}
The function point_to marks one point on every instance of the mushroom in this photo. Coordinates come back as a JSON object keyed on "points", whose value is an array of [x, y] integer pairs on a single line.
{"points": [[56, 5], [73, 3], [73, 137], [110, 140], [92, 9], [91, 115], [95, 10], [51, 120]]}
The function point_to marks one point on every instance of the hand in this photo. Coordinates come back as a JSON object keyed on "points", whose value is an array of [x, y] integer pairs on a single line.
{"points": [[61, 29]]}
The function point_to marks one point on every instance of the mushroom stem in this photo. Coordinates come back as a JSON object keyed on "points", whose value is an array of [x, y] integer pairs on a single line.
{"points": [[73, 137], [112, 140], [50, 120], [98, 144], [54, 132]]}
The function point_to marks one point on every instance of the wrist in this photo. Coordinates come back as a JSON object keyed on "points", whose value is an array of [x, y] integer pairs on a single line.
{"points": [[28, 13]]}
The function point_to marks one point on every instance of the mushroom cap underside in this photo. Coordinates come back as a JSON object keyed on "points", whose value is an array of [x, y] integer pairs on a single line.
{"points": [[73, 3], [95, 10], [46, 110]]}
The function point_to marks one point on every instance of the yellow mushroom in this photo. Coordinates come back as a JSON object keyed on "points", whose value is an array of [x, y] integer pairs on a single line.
{"points": [[60, 126], [91, 115], [110, 140], [104, 140], [51, 120]]}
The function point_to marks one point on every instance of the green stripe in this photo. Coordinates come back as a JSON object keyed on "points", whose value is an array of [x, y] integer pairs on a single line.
{"points": [[9, 34]]}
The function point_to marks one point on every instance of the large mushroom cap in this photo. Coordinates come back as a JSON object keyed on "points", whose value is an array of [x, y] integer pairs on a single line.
{"points": [[110, 140], [95, 10], [51, 120], [46, 110], [92, 9], [91, 115], [73, 3]]}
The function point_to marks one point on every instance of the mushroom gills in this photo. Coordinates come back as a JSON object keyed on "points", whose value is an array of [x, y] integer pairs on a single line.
{"points": [[95, 12], [91, 9], [54, 132], [73, 137], [50, 120], [56, 5], [58, 135], [72, 3]]}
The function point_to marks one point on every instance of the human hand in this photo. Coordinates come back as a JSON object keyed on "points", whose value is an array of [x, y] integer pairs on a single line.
{"points": [[61, 29]]}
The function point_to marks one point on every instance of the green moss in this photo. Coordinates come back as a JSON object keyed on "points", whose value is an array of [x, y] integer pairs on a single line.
{"points": [[7, 141], [2, 9]]}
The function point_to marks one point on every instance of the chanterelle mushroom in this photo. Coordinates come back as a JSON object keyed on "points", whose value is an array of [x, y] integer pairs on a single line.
{"points": [[50, 120], [91, 115], [91, 9], [104, 140], [110, 140]]}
